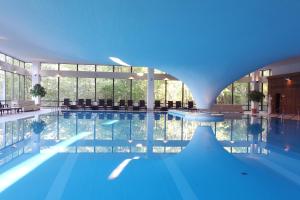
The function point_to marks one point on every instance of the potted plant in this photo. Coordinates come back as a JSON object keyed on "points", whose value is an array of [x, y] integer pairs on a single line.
{"points": [[255, 97], [38, 126], [38, 91]]}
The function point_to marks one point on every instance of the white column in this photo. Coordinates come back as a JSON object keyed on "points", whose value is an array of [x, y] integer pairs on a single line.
{"points": [[36, 78], [255, 80], [150, 89]]}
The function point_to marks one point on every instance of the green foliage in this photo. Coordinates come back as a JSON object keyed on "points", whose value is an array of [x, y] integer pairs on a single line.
{"points": [[256, 96], [38, 90]]}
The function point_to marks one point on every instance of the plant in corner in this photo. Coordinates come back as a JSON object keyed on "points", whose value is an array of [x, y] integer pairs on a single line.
{"points": [[255, 97], [38, 91]]}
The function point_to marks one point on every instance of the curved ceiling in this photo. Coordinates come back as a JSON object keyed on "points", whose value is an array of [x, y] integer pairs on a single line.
{"points": [[205, 43]]}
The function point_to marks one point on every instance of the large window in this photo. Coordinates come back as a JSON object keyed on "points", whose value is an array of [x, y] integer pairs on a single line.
{"points": [[67, 88], [67, 67], [48, 66], [51, 86], [89, 68], [28, 86], [122, 89], [16, 86], [240, 94], [86, 88], [174, 90], [104, 88], [225, 96], [159, 90], [8, 86], [2, 85], [139, 90]]}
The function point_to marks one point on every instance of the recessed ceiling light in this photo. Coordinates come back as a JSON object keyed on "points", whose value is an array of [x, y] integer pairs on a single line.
{"points": [[119, 61], [140, 74]]}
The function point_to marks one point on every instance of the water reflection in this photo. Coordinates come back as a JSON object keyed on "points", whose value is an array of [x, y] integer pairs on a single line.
{"points": [[140, 133]]}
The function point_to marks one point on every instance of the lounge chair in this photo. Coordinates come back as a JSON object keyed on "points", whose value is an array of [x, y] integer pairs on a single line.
{"points": [[142, 104], [157, 105], [170, 104], [156, 116], [129, 105], [109, 104], [80, 103], [66, 103], [88, 103], [178, 105], [101, 104], [191, 105], [122, 105]]}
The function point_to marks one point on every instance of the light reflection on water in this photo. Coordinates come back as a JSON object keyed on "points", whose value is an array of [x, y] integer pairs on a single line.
{"points": [[127, 133]]}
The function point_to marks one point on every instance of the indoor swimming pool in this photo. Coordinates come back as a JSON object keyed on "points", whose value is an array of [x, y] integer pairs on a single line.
{"points": [[124, 155]]}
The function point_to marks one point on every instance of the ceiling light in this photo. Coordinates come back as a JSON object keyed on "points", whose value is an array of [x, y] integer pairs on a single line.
{"points": [[119, 61], [288, 79], [57, 75], [140, 74], [131, 77], [166, 79]]}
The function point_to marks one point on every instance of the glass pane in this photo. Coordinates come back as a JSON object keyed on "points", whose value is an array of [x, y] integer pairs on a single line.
{"points": [[140, 70], [104, 88], [240, 93], [104, 68], [9, 60], [139, 90], [90, 68], [67, 88], [174, 90], [9, 86], [48, 66], [28, 84], [67, 67], [159, 90], [2, 57], [16, 62], [86, 88], [22, 64], [122, 69], [187, 95], [122, 89], [22, 87], [28, 66], [51, 86], [16, 86], [2, 80], [225, 97]]}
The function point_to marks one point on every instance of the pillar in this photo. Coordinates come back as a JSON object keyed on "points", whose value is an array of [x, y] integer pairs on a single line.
{"points": [[150, 89], [36, 78]]}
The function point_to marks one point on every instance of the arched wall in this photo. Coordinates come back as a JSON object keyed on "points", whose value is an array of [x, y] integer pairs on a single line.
{"points": [[206, 44]]}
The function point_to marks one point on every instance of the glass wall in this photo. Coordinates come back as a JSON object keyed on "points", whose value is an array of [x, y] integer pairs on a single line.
{"points": [[59, 88], [67, 88], [121, 89], [14, 86], [86, 88], [237, 92], [104, 88]]}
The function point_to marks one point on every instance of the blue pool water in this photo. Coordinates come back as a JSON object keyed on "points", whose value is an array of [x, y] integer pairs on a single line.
{"points": [[104, 155]]}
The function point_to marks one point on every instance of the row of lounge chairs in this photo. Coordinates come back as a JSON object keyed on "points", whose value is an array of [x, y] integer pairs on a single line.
{"points": [[122, 105]]}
